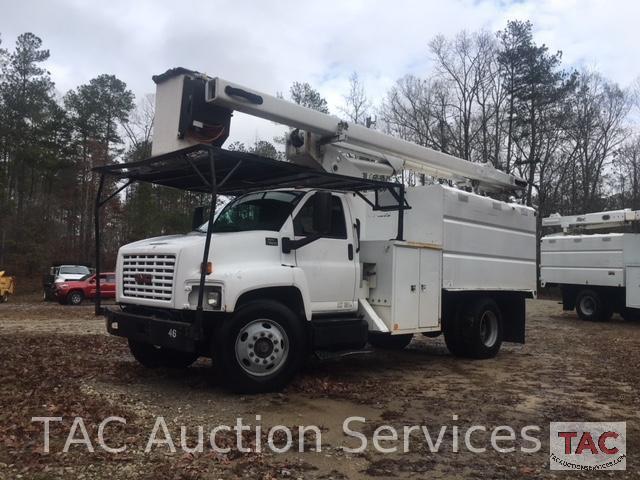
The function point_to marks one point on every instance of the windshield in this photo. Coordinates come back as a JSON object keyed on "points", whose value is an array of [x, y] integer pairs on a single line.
{"points": [[74, 270], [256, 211]]}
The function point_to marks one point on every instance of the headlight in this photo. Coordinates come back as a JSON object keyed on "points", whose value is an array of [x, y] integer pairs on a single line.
{"points": [[63, 286], [213, 298]]}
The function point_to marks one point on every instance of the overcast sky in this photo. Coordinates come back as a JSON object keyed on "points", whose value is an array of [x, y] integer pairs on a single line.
{"points": [[267, 45]]}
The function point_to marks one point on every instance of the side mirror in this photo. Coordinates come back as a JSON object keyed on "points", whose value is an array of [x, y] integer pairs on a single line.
{"points": [[322, 210], [198, 217]]}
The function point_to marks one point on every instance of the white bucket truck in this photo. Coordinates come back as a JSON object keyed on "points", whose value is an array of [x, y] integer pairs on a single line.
{"points": [[321, 253], [597, 270]]}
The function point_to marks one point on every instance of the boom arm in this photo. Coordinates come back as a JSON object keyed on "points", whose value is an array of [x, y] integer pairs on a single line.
{"points": [[592, 221], [326, 137]]}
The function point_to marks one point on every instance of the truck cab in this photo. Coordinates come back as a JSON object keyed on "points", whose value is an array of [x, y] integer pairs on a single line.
{"points": [[291, 253], [248, 234]]}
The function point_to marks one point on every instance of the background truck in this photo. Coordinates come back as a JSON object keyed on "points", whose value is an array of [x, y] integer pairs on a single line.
{"points": [[7, 287], [74, 292], [598, 273], [322, 253], [59, 274]]}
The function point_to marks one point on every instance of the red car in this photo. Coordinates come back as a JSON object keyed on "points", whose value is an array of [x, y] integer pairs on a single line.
{"points": [[73, 292]]}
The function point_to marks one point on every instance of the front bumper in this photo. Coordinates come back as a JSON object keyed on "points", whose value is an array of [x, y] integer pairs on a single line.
{"points": [[149, 329], [59, 294]]}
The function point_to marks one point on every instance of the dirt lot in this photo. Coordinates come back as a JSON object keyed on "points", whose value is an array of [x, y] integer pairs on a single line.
{"points": [[58, 361]]}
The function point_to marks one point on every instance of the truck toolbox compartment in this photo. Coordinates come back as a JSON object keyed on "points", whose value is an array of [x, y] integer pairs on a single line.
{"points": [[156, 331]]}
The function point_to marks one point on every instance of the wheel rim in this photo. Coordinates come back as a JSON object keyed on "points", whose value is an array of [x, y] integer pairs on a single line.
{"points": [[489, 328], [75, 298], [262, 347], [587, 305]]}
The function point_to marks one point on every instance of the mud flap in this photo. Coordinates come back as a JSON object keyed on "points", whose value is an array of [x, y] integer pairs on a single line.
{"points": [[513, 318]]}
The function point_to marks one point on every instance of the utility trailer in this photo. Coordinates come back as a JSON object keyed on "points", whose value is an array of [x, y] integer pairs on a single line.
{"points": [[323, 253], [598, 273]]}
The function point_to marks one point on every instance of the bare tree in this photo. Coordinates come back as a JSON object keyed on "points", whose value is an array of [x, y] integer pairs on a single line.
{"points": [[627, 171], [409, 111], [462, 63], [597, 114], [356, 104], [139, 128]]}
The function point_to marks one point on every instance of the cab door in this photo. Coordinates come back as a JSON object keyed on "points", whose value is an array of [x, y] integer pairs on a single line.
{"points": [[107, 286], [328, 262]]}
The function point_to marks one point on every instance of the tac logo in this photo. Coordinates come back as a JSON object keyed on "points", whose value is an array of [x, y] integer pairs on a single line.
{"points": [[588, 446]]}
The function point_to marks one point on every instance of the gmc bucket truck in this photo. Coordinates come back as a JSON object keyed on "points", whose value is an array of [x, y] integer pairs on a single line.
{"points": [[322, 253], [597, 270]]}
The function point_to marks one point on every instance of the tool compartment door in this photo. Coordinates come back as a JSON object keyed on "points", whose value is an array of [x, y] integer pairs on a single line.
{"points": [[430, 287], [406, 287], [633, 287]]}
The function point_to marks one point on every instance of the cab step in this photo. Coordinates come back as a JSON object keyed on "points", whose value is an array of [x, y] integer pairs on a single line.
{"points": [[339, 333]]}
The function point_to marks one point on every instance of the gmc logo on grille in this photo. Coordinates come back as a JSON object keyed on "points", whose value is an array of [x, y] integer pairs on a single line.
{"points": [[143, 278]]}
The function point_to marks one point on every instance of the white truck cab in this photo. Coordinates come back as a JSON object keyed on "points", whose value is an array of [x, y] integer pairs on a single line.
{"points": [[248, 235], [324, 253]]}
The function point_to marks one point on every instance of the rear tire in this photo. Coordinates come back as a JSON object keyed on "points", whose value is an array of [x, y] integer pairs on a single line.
{"points": [[390, 342], [75, 298], [592, 306], [152, 356], [475, 331], [260, 348]]}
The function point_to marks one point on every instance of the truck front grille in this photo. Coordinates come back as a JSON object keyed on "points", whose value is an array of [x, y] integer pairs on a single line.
{"points": [[148, 276]]}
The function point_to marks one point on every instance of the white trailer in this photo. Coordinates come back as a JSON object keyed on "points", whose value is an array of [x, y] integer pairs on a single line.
{"points": [[321, 253], [599, 272]]}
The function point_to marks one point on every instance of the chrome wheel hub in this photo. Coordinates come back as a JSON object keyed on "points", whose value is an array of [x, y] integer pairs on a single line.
{"points": [[489, 328], [587, 305], [262, 347]]}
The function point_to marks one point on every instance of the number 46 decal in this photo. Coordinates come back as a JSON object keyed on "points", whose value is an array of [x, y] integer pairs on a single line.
{"points": [[173, 333]]}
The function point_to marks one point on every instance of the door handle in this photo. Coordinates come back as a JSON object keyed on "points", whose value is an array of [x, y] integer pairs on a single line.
{"points": [[423, 287], [350, 251], [413, 288]]}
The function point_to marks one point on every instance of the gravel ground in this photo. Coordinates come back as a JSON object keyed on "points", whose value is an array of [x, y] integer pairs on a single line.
{"points": [[58, 361]]}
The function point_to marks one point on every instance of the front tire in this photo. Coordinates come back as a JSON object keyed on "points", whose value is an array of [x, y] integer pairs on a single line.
{"points": [[475, 331], [152, 356], [75, 298], [260, 348], [592, 306]]}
